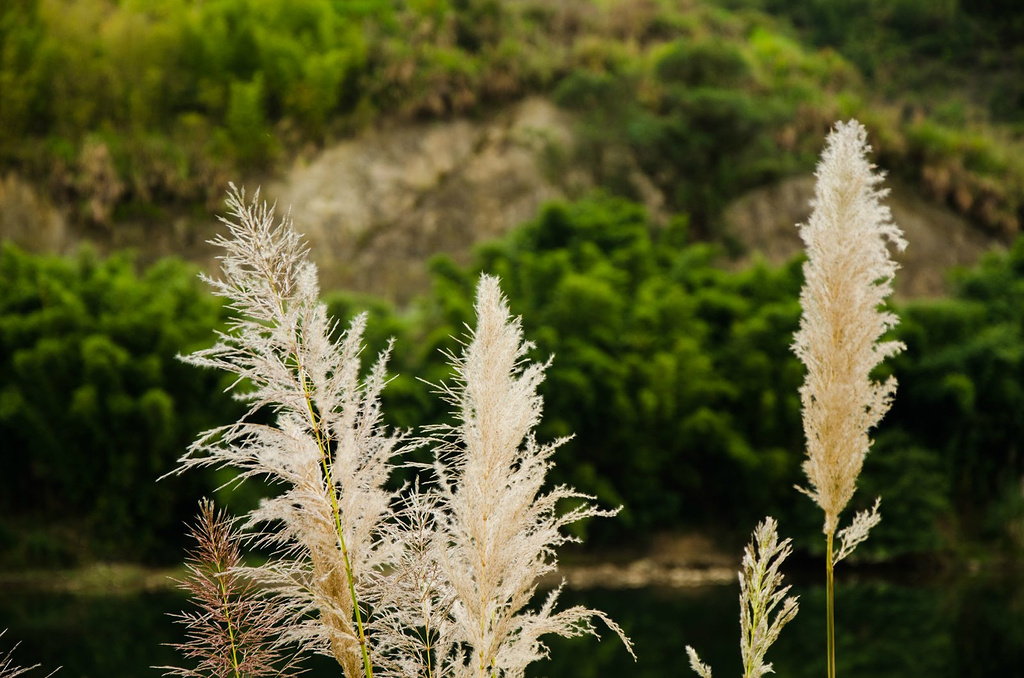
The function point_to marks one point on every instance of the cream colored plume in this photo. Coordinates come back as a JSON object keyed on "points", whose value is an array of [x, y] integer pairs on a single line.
{"points": [[848, 275]]}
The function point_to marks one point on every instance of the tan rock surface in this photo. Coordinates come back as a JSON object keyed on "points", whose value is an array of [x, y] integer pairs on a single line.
{"points": [[29, 220], [376, 208], [764, 221]]}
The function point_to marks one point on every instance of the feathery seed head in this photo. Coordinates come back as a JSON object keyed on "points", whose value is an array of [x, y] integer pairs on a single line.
{"points": [[441, 580], [501, 531], [235, 630], [848, 275], [327, 448], [761, 596]]}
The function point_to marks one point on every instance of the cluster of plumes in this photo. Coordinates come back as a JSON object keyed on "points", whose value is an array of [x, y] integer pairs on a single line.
{"points": [[428, 582], [7, 666], [327, 447], [848, 275], [761, 594], [234, 631]]}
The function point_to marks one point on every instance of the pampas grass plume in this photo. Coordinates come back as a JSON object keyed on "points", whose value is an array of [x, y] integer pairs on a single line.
{"points": [[327, 447], [761, 596], [235, 630], [847, 277], [501, 529]]}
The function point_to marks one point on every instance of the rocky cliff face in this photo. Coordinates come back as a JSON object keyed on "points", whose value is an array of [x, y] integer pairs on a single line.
{"points": [[378, 207], [30, 220], [375, 208]]}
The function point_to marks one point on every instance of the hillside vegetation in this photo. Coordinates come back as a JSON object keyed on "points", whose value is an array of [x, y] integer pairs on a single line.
{"points": [[676, 377], [128, 109], [674, 371]]}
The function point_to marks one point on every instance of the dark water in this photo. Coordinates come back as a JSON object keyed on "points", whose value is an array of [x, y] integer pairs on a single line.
{"points": [[969, 628]]}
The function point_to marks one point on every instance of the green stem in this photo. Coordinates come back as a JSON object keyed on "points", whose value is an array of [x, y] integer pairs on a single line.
{"points": [[363, 646], [830, 608], [426, 633], [324, 458], [348, 573], [227, 617]]}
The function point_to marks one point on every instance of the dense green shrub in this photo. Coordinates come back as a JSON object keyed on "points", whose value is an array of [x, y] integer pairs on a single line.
{"points": [[703, 63], [962, 391], [676, 376], [706, 116], [202, 88], [94, 405], [218, 80], [930, 124], [708, 99], [678, 380]]}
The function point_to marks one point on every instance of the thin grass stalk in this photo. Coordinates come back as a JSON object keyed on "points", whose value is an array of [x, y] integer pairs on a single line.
{"points": [[350, 579], [363, 646], [227, 617], [317, 432], [847, 277], [830, 608], [7, 667]]}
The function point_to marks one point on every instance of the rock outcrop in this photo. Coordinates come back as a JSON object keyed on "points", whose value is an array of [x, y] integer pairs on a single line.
{"points": [[377, 207], [763, 222]]}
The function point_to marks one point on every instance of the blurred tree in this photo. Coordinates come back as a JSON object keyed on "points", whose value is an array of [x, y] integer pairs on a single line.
{"points": [[94, 405]]}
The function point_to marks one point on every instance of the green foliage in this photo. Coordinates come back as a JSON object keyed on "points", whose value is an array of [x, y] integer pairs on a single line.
{"points": [[229, 69], [917, 507], [673, 375], [678, 381], [212, 87], [952, 123], [23, 73], [246, 122], [711, 102], [708, 111], [962, 395], [703, 63], [877, 34], [94, 405], [708, 99], [713, 144]]}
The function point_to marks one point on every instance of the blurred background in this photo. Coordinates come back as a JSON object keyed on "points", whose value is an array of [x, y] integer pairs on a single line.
{"points": [[633, 170]]}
